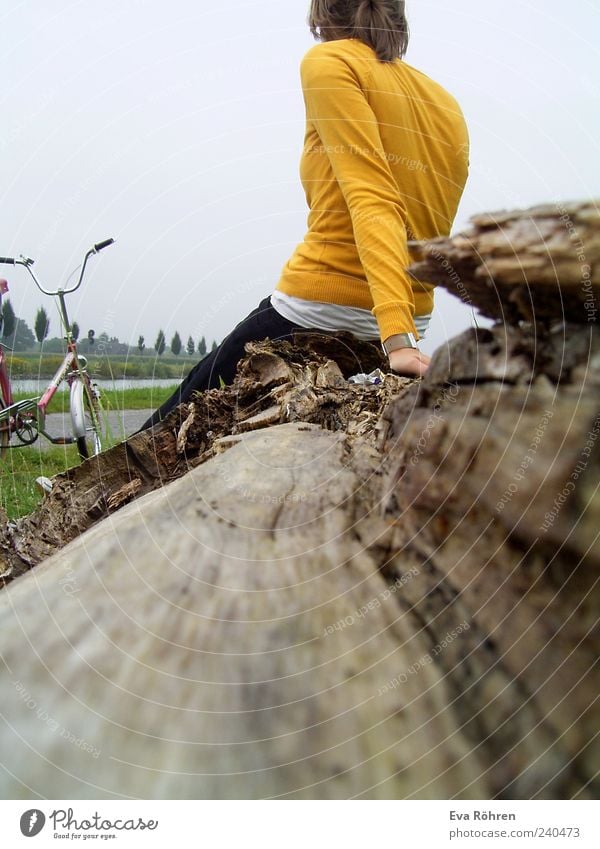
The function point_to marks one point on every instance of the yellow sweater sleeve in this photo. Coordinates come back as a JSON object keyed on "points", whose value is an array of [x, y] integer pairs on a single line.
{"points": [[337, 107]]}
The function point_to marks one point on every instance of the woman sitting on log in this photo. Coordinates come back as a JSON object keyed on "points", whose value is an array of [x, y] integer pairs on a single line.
{"points": [[385, 160]]}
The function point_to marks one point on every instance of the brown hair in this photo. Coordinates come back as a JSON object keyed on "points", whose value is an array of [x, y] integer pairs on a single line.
{"points": [[381, 24]]}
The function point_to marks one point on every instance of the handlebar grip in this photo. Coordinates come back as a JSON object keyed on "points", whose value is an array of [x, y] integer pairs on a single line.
{"points": [[7, 260], [101, 245]]}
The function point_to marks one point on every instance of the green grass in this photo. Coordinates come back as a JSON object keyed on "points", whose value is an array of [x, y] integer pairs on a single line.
{"points": [[114, 399], [136, 399], [20, 467]]}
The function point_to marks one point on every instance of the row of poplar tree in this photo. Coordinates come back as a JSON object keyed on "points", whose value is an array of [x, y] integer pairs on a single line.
{"points": [[16, 334], [176, 345]]}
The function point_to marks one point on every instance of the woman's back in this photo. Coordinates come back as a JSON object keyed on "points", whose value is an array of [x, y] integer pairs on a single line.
{"points": [[385, 160], [424, 133]]}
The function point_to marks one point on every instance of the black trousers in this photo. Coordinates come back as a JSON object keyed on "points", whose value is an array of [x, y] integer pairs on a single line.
{"points": [[221, 364]]}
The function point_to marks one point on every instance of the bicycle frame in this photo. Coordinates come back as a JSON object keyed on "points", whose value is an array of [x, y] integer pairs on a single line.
{"points": [[70, 367]]}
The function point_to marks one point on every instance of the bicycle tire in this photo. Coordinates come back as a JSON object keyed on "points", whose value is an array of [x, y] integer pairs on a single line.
{"points": [[86, 418]]}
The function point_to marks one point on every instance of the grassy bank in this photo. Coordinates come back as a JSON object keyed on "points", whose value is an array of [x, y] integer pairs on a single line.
{"points": [[115, 399], [30, 366]]}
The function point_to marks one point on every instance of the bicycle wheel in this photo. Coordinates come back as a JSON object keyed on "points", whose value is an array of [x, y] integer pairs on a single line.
{"points": [[86, 418]]}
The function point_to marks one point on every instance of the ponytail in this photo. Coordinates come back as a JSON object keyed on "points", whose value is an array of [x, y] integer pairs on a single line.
{"points": [[381, 24]]}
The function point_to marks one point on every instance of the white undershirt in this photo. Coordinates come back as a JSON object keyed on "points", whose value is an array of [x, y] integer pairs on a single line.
{"points": [[322, 316]]}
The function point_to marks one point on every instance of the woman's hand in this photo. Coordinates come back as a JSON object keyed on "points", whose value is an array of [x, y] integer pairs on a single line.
{"points": [[409, 361]]}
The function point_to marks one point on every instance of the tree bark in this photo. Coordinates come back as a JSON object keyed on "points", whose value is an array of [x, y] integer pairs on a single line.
{"points": [[539, 265]]}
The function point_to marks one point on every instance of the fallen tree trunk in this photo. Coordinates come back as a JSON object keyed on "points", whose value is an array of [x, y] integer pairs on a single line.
{"points": [[334, 591]]}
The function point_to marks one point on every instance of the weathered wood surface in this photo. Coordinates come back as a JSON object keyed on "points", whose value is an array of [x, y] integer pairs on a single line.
{"points": [[186, 640], [538, 265], [503, 506], [374, 592]]}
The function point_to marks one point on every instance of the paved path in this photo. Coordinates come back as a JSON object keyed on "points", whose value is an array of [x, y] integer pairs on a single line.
{"points": [[123, 424]]}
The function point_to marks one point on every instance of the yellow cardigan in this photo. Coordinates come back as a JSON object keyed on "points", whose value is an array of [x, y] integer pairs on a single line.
{"points": [[385, 160]]}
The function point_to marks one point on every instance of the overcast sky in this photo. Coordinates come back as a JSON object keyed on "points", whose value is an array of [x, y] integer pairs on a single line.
{"points": [[177, 128]]}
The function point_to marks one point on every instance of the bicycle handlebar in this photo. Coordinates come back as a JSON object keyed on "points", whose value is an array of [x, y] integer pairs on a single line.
{"points": [[101, 245], [27, 263]]}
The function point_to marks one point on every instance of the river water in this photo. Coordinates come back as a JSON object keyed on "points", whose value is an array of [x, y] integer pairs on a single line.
{"points": [[37, 387]]}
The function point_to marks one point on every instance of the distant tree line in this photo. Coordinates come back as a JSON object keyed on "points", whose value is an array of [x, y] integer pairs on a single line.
{"points": [[18, 336], [15, 332]]}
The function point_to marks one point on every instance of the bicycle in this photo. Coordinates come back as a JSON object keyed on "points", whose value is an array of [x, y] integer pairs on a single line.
{"points": [[27, 419]]}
